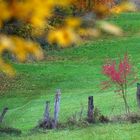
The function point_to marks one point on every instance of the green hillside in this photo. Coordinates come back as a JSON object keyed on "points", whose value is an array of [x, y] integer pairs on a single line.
{"points": [[77, 72]]}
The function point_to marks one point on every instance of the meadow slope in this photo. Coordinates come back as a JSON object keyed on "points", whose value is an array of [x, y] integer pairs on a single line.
{"points": [[77, 72]]}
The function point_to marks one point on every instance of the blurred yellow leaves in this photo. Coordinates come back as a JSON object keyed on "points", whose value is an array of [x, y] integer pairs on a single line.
{"points": [[37, 13], [103, 10], [20, 48], [6, 68], [24, 48], [4, 12], [63, 37], [33, 11], [66, 35], [73, 22], [123, 7]]}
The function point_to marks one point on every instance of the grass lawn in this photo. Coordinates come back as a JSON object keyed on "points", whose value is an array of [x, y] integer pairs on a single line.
{"points": [[77, 72]]}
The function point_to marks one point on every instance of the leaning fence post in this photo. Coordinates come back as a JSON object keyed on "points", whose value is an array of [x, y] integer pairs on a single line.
{"points": [[138, 94], [3, 114], [90, 113], [56, 107], [47, 113]]}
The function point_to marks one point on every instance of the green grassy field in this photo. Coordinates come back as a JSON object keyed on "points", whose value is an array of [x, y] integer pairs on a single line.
{"points": [[77, 72]]}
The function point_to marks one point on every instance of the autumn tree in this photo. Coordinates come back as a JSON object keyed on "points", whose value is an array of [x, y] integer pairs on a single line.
{"points": [[88, 5], [121, 75]]}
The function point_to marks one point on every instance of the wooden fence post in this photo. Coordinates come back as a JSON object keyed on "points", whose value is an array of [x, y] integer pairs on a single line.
{"points": [[56, 107], [46, 122], [138, 94], [47, 113], [90, 113], [3, 114]]}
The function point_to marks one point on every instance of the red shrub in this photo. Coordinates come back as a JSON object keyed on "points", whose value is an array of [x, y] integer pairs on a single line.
{"points": [[117, 75]]}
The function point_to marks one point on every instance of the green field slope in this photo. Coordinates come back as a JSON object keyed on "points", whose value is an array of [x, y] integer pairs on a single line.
{"points": [[77, 72]]}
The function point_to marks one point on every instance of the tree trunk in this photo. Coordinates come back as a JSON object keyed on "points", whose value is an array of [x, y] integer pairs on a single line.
{"points": [[138, 94], [3, 114], [90, 109], [56, 107]]}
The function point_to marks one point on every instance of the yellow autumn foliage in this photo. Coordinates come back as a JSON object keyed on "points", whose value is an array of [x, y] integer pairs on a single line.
{"points": [[63, 37], [37, 13], [125, 6]]}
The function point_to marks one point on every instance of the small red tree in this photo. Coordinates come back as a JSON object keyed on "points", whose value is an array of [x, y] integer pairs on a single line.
{"points": [[118, 75]]}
